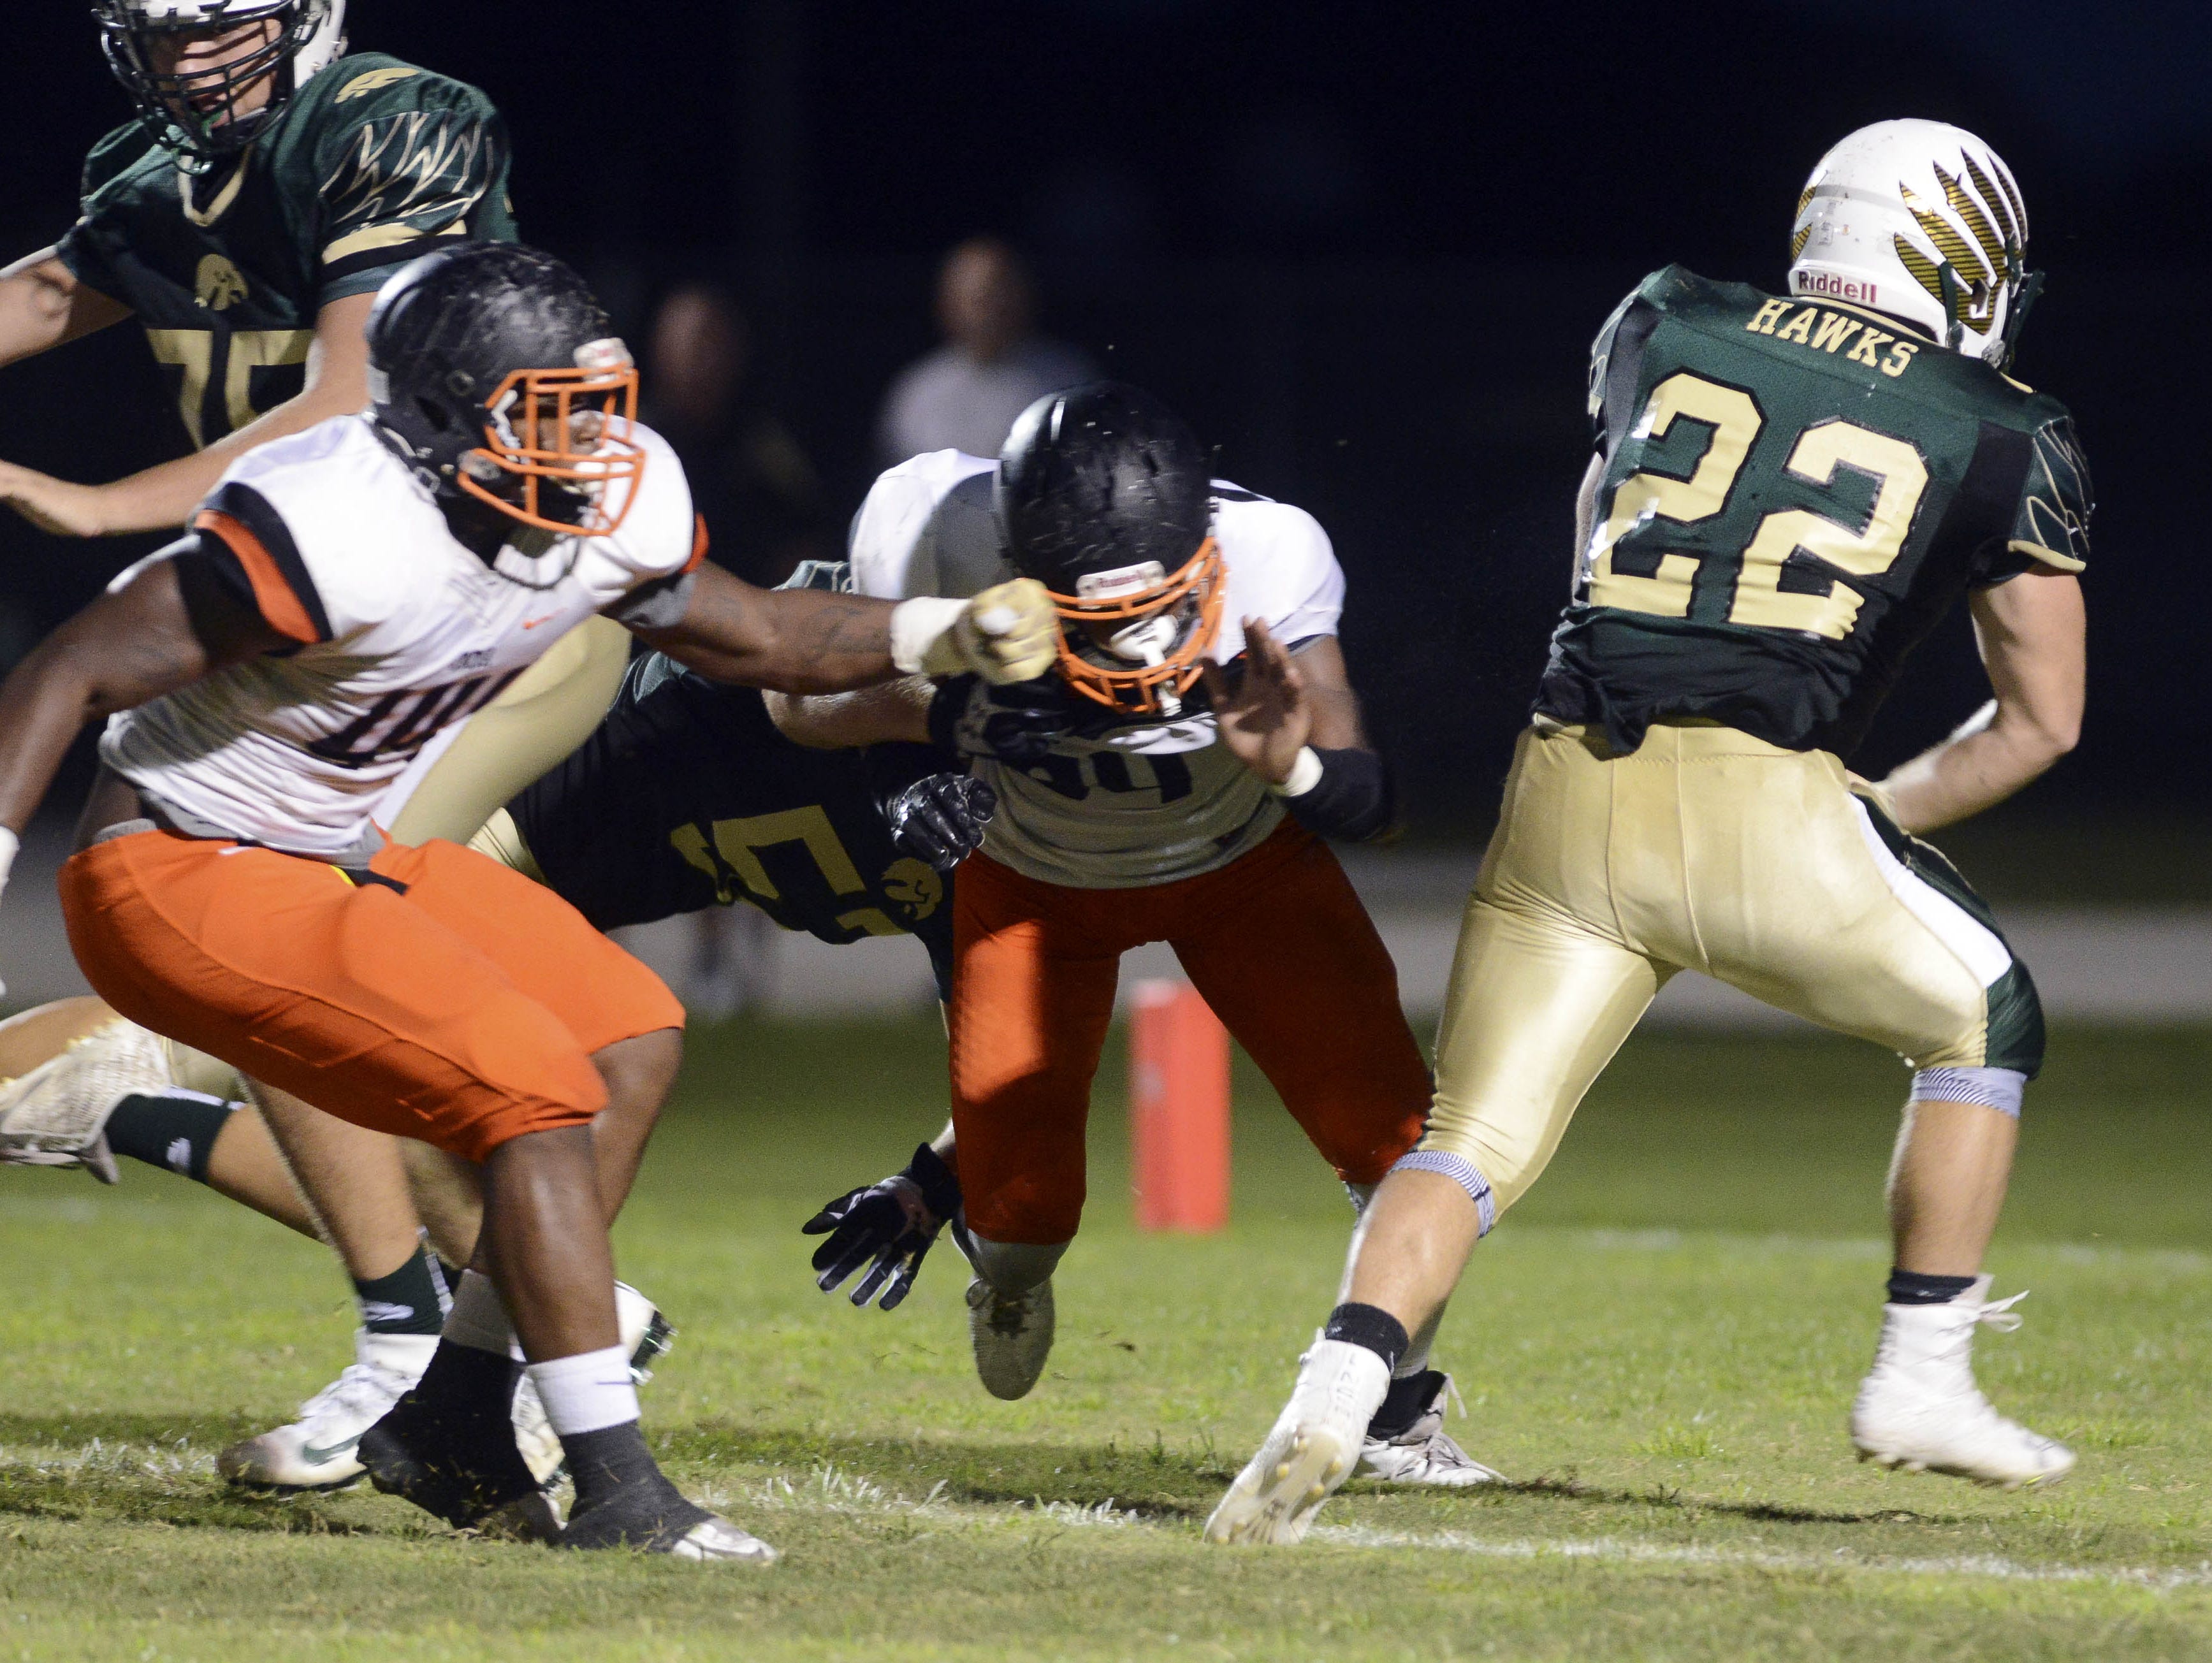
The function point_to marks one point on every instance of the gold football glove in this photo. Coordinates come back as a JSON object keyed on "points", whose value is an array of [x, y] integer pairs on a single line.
{"points": [[1009, 633]]}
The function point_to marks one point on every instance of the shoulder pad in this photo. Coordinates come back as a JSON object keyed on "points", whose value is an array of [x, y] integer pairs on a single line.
{"points": [[1601, 348], [2052, 526], [371, 83], [112, 157]]}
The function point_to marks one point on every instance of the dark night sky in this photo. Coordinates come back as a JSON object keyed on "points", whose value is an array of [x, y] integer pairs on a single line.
{"points": [[1366, 247]]}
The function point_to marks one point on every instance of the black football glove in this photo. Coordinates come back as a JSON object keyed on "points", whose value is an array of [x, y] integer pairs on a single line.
{"points": [[895, 1222], [939, 818], [1015, 724]]}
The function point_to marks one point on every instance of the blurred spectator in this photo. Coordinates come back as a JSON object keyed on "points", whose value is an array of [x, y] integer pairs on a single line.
{"points": [[764, 505], [965, 395]]}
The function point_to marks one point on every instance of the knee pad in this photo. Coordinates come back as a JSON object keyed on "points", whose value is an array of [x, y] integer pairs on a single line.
{"points": [[1461, 1171], [2001, 1088], [1013, 1267]]}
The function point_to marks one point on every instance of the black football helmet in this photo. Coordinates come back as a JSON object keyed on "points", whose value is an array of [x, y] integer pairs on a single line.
{"points": [[495, 373], [195, 114], [1104, 496]]}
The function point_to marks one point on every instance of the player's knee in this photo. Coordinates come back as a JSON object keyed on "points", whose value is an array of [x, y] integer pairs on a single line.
{"points": [[640, 1071], [2001, 1088], [1013, 1267], [1449, 1165], [1495, 1158]]}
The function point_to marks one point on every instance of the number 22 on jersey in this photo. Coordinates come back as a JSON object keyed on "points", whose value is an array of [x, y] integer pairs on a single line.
{"points": [[1865, 550]]}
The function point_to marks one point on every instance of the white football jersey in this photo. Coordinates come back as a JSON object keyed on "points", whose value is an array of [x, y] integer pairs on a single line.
{"points": [[1129, 806], [400, 631]]}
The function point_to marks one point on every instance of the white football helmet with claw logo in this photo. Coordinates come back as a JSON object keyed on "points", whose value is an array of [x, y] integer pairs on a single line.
{"points": [[192, 107], [1920, 221]]}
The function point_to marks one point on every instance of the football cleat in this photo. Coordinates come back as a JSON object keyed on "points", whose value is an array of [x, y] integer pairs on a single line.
{"points": [[1423, 1454], [319, 1450], [646, 1336], [461, 1472], [666, 1523], [56, 1115], [1012, 1336], [1312, 1450], [718, 1539], [1918, 1409]]}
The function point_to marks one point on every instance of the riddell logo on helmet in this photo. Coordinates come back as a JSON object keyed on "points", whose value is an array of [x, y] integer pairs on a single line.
{"points": [[1835, 287]]}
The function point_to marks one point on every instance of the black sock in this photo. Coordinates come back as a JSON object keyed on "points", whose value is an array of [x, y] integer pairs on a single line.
{"points": [[412, 1300], [1911, 1288], [1370, 1326], [470, 1391], [1406, 1402], [173, 1130], [611, 1463], [622, 1497]]}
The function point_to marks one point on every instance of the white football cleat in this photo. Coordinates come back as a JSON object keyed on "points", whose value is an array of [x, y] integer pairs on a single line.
{"points": [[317, 1451], [1314, 1446], [646, 1336], [1012, 1336], [718, 1539], [56, 1115], [1919, 1408], [1424, 1453]]}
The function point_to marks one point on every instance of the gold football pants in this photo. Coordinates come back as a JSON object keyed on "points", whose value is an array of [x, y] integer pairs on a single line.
{"points": [[1706, 850]]}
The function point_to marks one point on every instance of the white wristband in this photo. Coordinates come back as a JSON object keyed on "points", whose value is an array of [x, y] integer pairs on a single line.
{"points": [[8, 844], [920, 632], [1305, 774]]}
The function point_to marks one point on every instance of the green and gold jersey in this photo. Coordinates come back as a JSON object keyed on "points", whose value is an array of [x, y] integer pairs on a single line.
{"points": [[1794, 493], [371, 161]]}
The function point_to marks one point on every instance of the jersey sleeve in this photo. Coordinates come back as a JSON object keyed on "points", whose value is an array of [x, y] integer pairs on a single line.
{"points": [[245, 539], [408, 158], [2051, 526], [659, 547], [926, 529], [85, 248], [1303, 596], [1602, 351]]}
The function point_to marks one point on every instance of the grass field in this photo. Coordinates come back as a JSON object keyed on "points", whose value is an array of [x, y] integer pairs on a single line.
{"points": [[1659, 1346]]}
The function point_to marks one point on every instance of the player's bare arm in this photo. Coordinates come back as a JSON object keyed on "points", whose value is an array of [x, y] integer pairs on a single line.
{"points": [[43, 306], [808, 640], [892, 713], [1293, 720], [2032, 633], [162, 629], [164, 496]]}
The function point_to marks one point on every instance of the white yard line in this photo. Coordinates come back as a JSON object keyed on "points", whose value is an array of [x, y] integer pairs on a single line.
{"points": [[1610, 1548], [828, 1489]]}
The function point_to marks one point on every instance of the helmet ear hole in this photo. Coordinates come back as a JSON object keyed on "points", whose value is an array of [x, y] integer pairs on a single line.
{"points": [[434, 414]]}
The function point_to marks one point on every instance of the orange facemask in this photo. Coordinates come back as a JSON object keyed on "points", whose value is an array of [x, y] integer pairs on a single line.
{"points": [[1143, 689], [541, 418]]}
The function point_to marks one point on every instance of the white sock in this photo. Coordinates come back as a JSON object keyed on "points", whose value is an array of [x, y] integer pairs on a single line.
{"points": [[478, 1320], [587, 1391]]}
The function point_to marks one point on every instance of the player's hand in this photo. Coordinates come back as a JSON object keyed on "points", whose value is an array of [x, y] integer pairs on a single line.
{"points": [[1015, 724], [1267, 719], [52, 505], [939, 818], [894, 1222], [1010, 632]]}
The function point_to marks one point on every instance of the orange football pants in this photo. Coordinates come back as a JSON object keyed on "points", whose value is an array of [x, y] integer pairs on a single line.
{"points": [[1277, 943], [456, 1002]]}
